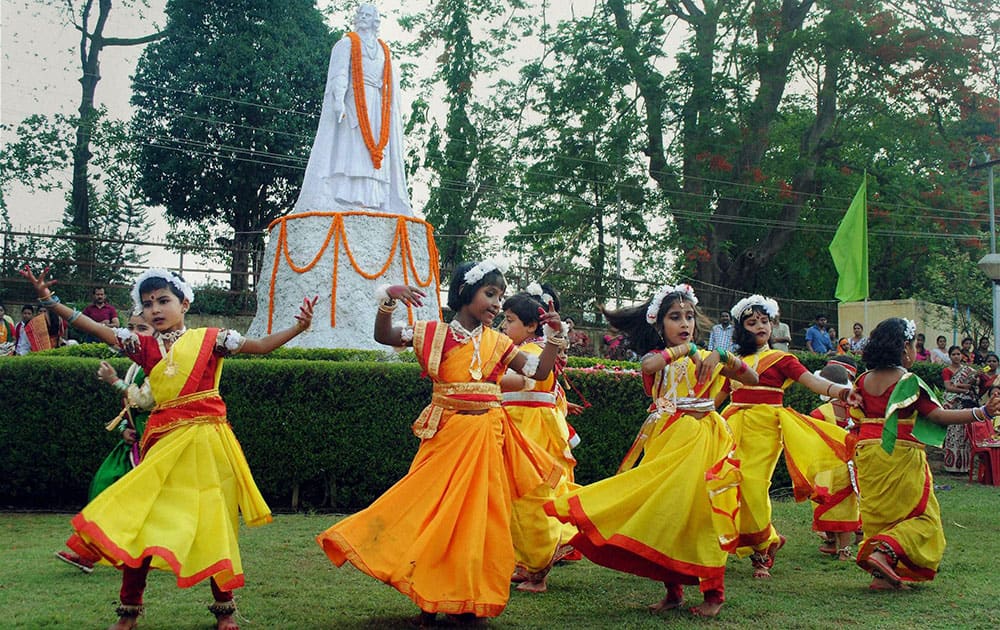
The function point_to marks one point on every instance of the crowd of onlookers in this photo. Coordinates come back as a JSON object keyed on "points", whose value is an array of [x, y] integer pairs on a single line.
{"points": [[38, 329]]}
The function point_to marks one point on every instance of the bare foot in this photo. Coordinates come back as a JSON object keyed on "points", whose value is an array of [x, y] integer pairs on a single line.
{"points": [[226, 622], [761, 572], [707, 609], [667, 603], [124, 623], [881, 584], [530, 586]]}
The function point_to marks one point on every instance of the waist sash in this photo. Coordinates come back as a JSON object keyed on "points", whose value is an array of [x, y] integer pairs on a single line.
{"points": [[204, 407], [529, 399], [453, 397], [750, 395]]}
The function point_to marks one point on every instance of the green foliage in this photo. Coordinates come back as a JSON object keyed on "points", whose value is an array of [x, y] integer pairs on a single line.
{"points": [[226, 106], [334, 431]]}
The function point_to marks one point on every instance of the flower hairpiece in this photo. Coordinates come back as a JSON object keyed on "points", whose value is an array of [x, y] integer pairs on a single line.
{"points": [[745, 306], [170, 277], [536, 290], [686, 291], [910, 332], [483, 267]]}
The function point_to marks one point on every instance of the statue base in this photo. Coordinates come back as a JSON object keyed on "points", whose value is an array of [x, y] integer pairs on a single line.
{"points": [[343, 257]]}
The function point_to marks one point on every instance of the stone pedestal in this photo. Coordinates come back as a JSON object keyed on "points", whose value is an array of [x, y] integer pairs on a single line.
{"points": [[342, 257]]}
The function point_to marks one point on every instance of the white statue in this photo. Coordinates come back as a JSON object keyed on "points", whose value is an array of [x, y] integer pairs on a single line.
{"points": [[356, 161]]}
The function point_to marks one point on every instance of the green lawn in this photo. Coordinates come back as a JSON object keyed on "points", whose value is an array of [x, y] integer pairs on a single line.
{"points": [[290, 584]]}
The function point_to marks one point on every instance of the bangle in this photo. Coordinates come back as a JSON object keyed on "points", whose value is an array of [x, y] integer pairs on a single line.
{"points": [[72, 318], [743, 367], [119, 384], [975, 414], [828, 387], [722, 354], [844, 393], [693, 349], [986, 413], [388, 305], [51, 300]]}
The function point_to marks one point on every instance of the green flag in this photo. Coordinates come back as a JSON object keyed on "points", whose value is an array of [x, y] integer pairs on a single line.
{"points": [[849, 249]]}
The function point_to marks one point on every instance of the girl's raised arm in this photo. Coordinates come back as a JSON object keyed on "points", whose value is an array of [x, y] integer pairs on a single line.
{"points": [[73, 317]]}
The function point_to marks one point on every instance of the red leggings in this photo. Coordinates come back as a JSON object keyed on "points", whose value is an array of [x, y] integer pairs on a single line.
{"points": [[134, 583]]}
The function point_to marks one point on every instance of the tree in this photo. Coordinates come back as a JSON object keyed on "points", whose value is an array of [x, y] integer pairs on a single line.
{"points": [[741, 184], [92, 43], [227, 110]]}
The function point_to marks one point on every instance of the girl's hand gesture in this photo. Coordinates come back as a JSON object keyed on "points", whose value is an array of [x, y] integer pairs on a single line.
{"points": [[550, 317], [107, 373], [305, 315], [411, 296], [705, 367], [42, 286]]}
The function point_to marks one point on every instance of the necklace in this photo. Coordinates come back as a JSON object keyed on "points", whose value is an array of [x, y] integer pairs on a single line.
{"points": [[674, 373], [463, 336], [169, 337]]}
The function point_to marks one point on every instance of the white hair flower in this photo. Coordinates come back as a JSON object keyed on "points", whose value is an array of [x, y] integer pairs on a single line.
{"points": [[745, 306], [170, 277], [536, 290], [474, 275], [910, 333], [686, 291]]}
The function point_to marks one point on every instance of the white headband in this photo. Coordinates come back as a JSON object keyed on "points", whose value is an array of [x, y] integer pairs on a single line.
{"points": [[536, 289], [743, 306], [172, 278], [910, 333], [686, 291], [474, 275]]}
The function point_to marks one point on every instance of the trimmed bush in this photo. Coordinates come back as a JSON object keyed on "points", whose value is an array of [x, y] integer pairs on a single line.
{"points": [[329, 432]]}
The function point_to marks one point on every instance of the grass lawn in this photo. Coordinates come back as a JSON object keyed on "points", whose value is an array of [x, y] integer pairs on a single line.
{"points": [[290, 583]]}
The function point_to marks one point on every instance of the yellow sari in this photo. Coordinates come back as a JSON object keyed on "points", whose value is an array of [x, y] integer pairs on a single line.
{"points": [[181, 504], [672, 518], [441, 535], [536, 414]]}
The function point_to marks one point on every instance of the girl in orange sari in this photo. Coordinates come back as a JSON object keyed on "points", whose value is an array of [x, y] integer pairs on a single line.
{"points": [[179, 508], [442, 534]]}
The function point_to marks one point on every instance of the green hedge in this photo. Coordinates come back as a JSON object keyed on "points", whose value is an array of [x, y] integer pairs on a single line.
{"points": [[329, 434]]}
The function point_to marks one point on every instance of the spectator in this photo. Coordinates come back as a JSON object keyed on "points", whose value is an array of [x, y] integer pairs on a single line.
{"points": [[834, 339], [579, 342], [858, 341], [722, 333], [100, 310], [5, 317], [817, 339], [44, 332], [27, 313], [940, 353], [968, 353], [922, 353], [781, 335], [982, 350], [7, 340], [988, 377]]}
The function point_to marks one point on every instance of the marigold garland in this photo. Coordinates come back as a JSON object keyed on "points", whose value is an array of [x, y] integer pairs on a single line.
{"points": [[360, 103], [338, 234]]}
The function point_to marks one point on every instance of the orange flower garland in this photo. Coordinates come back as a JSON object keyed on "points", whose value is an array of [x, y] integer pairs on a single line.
{"points": [[338, 234], [360, 103]]}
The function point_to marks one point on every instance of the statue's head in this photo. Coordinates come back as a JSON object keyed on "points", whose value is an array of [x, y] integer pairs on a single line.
{"points": [[366, 17]]}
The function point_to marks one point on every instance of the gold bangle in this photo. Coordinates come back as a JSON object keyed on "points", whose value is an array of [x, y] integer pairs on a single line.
{"points": [[387, 305]]}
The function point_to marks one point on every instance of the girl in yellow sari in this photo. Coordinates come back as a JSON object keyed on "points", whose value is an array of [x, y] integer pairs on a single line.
{"points": [[533, 408], [764, 426], [441, 535], [898, 413], [179, 508], [672, 517]]}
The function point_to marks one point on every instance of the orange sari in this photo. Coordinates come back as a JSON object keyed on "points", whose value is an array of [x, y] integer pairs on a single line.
{"points": [[441, 535]]}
